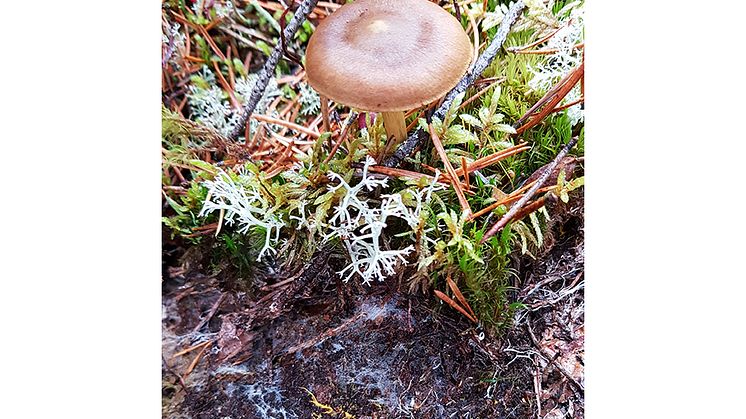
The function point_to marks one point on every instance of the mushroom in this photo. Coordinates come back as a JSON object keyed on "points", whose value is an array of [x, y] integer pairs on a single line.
{"points": [[387, 56]]}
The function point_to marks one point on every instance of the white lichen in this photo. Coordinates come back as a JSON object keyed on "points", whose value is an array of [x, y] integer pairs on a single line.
{"points": [[309, 100], [243, 203], [173, 42], [567, 56], [244, 86], [575, 112], [211, 106], [360, 223], [221, 8], [266, 398]]}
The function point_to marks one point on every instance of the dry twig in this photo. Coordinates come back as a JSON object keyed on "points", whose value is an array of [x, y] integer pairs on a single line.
{"points": [[459, 295], [528, 195], [347, 124], [210, 314], [269, 66]]}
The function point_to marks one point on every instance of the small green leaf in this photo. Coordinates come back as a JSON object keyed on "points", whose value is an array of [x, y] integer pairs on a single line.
{"points": [[469, 248], [484, 115], [575, 183], [264, 47], [561, 179], [324, 198], [205, 166], [448, 118], [495, 97], [491, 19], [437, 125], [199, 82], [470, 120], [497, 118], [240, 69], [457, 134], [524, 244], [537, 228], [180, 209], [505, 128]]}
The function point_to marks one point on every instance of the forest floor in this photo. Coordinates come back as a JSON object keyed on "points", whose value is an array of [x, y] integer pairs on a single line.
{"points": [[381, 354]]}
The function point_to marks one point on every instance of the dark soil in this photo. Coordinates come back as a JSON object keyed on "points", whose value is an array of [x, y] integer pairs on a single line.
{"points": [[374, 353]]}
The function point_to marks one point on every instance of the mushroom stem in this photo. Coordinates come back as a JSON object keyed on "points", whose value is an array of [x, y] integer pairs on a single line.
{"points": [[395, 126], [325, 112]]}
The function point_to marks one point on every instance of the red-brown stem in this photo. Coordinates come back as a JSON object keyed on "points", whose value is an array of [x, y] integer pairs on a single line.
{"points": [[505, 201], [449, 169], [502, 222], [455, 306], [350, 118], [494, 158], [465, 170], [288, 124], [458, 295], [552, 98]]}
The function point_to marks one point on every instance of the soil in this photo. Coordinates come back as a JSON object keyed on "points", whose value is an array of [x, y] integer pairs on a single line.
{"points": [[316, 349]]}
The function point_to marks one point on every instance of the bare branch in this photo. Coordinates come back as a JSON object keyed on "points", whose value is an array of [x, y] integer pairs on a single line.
{"points": [[269, 66]]}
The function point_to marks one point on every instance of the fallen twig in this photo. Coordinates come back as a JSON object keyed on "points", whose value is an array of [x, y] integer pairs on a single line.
{"points": [[487, 161], [295, 58], [479, 93], [288, 124], [190, 349], [210, 314], [459, 295], [465, 170], [536, 375], [505, 201], [324, 336], [489, 54], [269, 66], [196, 359], [502, 222]]}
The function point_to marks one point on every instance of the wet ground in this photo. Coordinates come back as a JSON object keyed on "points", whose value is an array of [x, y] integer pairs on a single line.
{"points": [[305, 351]]}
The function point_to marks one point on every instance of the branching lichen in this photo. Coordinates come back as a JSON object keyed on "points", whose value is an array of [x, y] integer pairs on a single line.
{"points": [[359, 223], [242, 202], [209, 103]]}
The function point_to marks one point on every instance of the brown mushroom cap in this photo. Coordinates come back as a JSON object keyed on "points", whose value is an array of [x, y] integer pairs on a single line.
{"points": [[387, 55]]}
